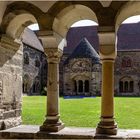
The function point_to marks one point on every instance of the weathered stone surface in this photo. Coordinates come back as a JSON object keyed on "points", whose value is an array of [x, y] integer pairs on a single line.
{"points": [[34, 71], [53, 122], [18, 112], [52, 128], [9, 114], [12, 122], [10, 83], [1, 113], [32, 132], [127, 72], [1, 125]]}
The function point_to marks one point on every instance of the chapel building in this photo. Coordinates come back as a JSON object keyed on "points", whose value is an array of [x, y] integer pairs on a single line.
{"points": [[80, 65]]}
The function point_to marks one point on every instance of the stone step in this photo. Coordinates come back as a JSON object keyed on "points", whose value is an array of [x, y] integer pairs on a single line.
{"points": [[32, 132]]}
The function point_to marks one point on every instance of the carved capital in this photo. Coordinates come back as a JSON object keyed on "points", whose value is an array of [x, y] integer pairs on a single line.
{"points": [[108, 48], [53, 45], [51, 39], [53, 55]]}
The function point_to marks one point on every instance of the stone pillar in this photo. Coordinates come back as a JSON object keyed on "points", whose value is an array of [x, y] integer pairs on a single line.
{"points": [[84, 87], [108, 53], [53, 52], [76, 87], [52, 122], [77, 81]]}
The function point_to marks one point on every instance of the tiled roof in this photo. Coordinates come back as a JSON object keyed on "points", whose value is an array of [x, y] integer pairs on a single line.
{"points": [[129, 37], [30, 38], [84, 50], [75, 34]]}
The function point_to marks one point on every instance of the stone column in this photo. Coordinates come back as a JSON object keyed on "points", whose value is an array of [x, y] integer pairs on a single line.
{"points": [[77, 81], [52, 122], [108, 53], [84, 87], [76, 87], [53, 50]]}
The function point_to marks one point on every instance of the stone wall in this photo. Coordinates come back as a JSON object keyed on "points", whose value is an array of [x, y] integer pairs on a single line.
{"points": [[10, 82], [128, 66], [61, 74], [82, 69], [37, 74], [96, 79]]}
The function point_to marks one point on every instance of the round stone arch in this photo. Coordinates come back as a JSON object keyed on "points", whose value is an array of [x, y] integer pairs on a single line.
{"points": [[17, 16], [128, 78], [18, 24], [129, 9], [69, 15]]}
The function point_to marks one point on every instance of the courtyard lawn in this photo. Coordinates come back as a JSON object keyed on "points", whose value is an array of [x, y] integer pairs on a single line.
{"points": [[82, 112]]}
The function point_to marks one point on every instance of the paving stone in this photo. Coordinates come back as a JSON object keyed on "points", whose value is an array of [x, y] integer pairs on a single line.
{"points": [[32, 132]]}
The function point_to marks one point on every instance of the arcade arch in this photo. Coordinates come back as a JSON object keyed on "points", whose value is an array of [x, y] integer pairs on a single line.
{"points": [[53, 29]]}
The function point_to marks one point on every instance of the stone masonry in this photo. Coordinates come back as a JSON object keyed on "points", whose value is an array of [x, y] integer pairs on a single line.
{"points": [[10, 82]]}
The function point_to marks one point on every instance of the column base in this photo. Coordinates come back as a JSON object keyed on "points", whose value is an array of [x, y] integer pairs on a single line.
{"points": [[107, 126], [52, 128], [52, 125]]}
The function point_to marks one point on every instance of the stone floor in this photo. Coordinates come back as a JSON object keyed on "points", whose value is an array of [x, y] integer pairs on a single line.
{"points": [[32, 132]]}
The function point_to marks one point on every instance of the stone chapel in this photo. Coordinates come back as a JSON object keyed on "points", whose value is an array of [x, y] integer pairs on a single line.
{"points": [[82, 71]]}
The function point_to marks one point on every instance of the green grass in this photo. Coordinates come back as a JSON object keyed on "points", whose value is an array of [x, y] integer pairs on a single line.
{"points": [[82, 112]]}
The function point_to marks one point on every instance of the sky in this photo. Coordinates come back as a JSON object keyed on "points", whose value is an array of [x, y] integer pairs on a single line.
{"points": [[133, 19]]}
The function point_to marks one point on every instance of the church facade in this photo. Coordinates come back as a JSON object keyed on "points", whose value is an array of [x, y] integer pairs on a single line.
{"points": [[127, 73], [80, 66], [83, 74], [82, 71], [127, 65]]}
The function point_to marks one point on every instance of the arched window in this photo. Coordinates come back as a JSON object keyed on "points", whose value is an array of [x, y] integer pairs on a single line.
{"points": [[123, 63], [86, 86], [37, 62], [121, 86], [26, 86], [26, 58], [126, 84], [131, 86], [80, 86], [36, 85]]}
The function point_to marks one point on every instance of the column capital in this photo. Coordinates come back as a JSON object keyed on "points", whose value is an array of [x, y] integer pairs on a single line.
{"points": [[53, 45], [107, 41], [53, 54], [51, 39]]}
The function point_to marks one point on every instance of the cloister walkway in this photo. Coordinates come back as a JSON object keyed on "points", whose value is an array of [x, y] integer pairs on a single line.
{"points": [[32, 132]]}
